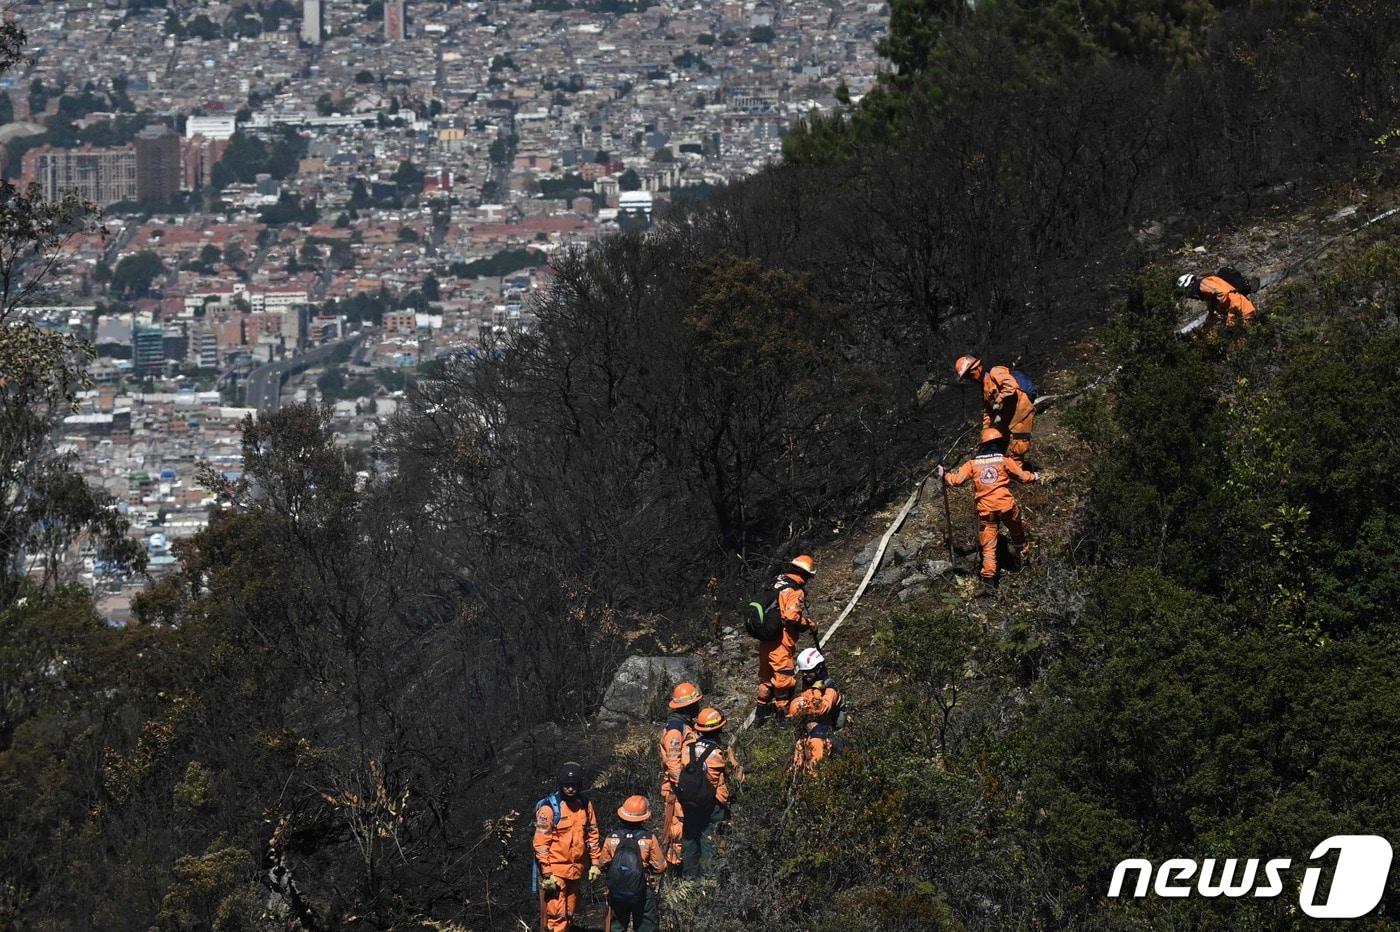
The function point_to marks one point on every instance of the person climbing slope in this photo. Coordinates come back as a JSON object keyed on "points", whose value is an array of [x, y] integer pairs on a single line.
{"points": [[678, 731], [566, 832], [992, 472], [776, 680], [819, 711], [705, 790], [633, 864], [1007, 405], [1226, 303]]}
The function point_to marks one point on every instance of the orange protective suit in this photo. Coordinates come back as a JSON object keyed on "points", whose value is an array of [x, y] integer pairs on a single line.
{"points": [[674, 737], [818, 707], [1016, 416], [776, 670], [813, 747], [560, 847], [1224, 305], [721, 766], [992, 473], [820, 702]]}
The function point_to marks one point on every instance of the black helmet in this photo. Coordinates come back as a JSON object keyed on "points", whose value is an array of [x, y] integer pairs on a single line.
{"points": [[570, 774]]}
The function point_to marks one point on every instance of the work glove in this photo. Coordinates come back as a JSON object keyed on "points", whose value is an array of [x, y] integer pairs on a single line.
{"points": [[594, 873], [924, 393], [940, 470], [996, 407], [550, 884]]}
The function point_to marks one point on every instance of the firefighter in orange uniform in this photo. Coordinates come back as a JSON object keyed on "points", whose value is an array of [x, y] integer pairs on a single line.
{"points": [[1005, 405], [680, 728], [634, 874], [566, 829], [819, 709], [709, 773], [776, 681], [992, 472], [1226, 305]]}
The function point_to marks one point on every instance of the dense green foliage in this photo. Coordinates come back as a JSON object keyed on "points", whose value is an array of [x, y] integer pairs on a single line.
{"points": [[1207, 670], [249, 156]]}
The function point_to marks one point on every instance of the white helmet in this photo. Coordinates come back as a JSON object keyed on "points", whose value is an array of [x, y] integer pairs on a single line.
{"points": [[809, 660], [1186, 282]]}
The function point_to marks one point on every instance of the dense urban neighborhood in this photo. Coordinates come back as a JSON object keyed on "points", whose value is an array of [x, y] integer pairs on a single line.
{"points": [[382, 181]]}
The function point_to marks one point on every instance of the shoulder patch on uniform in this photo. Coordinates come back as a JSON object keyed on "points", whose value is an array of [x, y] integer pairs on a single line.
{"points": [[544, 818]]}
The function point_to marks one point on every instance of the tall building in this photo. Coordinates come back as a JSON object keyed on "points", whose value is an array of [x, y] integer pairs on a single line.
{"points": [[157, 165], [103, 176], [311, 22], [147, 350], [198, 156], [394, 20]]}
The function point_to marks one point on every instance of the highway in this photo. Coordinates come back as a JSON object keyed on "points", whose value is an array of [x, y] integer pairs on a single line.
{"points": [[264, 385]]}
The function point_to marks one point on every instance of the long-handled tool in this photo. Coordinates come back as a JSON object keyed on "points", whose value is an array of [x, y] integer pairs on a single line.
{"points": [[947, 520], [544, 923], [607, 920]]}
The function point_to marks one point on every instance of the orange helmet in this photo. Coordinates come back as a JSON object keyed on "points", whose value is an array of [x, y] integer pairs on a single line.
{"points": [[991, 435], [685, 694], [966, 364], [804, 563], [635, 809], [709, 720]]}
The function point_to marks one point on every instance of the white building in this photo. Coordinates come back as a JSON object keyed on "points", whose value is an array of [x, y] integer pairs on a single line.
{"points": [[311, 22], [219, 126]]}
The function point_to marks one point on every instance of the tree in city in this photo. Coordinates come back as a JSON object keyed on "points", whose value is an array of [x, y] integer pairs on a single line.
{"points": [[134, 275], [408, 178], [202, 27]]}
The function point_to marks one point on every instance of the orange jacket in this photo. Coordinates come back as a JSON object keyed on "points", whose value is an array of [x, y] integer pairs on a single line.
{"points": [[653, 861], [792, 605], [993, 473], [1017, 413], [560, 846], [720, 766], [819, 703], [1224, 303], [672, 742]]}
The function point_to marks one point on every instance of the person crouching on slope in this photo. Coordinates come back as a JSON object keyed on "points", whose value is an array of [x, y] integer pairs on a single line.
{"points": [[566, 829], [1226, 305], [633, 865], [679, 731], [819, 708], [992, 472], [776, 680]]}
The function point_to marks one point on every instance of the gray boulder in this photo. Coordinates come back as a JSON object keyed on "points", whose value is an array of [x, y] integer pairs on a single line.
{"points": [[936, 568], [642, 685]]}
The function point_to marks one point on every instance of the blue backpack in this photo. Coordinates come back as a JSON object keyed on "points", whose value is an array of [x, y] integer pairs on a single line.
{"points": [[1024, 381]]}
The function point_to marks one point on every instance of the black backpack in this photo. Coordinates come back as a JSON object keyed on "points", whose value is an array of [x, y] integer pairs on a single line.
{"points": [[762, 620], [1244, 284], [626, 878], [694, 790]]}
